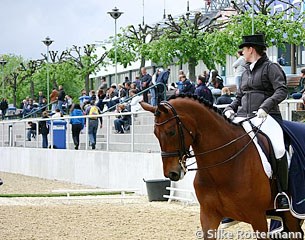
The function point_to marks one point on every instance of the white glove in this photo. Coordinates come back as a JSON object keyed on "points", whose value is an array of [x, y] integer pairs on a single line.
{"points": [[229, 114], [261, 113]]}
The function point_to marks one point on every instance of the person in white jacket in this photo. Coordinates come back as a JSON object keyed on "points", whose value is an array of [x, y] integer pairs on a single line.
{"points": [[134, 103], [239, 67]]}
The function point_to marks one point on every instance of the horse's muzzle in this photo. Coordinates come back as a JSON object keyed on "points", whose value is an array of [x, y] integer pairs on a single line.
{"points": [[176, 176]]}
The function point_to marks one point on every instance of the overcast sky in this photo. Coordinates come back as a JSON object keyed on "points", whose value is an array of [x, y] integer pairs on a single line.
{"points": [[25, 23]]}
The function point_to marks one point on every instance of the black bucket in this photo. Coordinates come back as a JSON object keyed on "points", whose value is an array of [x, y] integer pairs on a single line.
{"points": [[156, 188]]}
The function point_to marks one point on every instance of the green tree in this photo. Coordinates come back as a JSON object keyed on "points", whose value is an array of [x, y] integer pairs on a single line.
{"points": [[133, 44], [278, 29], [86, 61], [183, 41]]}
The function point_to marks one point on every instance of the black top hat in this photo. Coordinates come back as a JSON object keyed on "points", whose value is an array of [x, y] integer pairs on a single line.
{"points": [[253, 40]]}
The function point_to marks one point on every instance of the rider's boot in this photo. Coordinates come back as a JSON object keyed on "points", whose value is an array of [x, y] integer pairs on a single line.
{"points": [[281, 199]]}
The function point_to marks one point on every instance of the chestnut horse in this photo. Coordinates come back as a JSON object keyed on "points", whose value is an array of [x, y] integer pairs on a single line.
{"points": [[230, 180]]}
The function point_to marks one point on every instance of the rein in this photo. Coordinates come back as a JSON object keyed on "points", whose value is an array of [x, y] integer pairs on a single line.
{"points": [[185, 153]]}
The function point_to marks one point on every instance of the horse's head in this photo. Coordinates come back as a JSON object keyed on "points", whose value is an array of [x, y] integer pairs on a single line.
{"points": [[174, 136]]}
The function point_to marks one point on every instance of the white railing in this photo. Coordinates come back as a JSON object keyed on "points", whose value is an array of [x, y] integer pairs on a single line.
{"points": [[14, 133]]}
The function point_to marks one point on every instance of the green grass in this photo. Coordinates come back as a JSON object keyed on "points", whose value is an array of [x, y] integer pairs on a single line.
{"points": [[14, 195]]}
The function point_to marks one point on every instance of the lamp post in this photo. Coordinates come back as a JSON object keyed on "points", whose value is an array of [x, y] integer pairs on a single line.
{"points": [[115, 14], [48, 42], [3, 62]]}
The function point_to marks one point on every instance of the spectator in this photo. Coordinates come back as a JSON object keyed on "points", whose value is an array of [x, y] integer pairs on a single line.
{"points": [[77, 124], [68, 103], [239, 67], [40, 99], [92, 96], [126, 79], [57, 113], [282, 60], [43, 105], [53, 99], [145, 82], [202, 90], [137, 81], [31, 133], [111, 98], [93, 111], [225, 96], [188, 87], [103, 85], [100, 95], [134, 103], [44, 129], [162, 78], [123, 121], [3, 107], [61, 98], [215, 83], [301, 87], [153, 91]]}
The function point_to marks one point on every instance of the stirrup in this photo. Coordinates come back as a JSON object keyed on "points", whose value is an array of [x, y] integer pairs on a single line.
{"points": [[275, 200]]}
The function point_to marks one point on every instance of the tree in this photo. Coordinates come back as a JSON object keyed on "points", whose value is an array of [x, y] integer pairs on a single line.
{"points": [[183, 41], [277, 28], [87, 62], [133, 44]]}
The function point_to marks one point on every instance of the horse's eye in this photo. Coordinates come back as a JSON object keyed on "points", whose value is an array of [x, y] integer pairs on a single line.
{"points": [[171, 133]]}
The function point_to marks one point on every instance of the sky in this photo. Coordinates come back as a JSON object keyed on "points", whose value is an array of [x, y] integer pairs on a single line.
{"points": [[25, 23]]}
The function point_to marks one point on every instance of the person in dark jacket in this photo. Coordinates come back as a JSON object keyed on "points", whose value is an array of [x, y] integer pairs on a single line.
{"points": [[263, 87], [61, 98], [145, 83], [225, 96], [202, 90], [44, 129], [77, 124], [187, 86], [3, 107]]}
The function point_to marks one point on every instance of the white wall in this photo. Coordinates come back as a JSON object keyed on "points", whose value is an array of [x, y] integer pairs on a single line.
{"points": [[94, 168]]}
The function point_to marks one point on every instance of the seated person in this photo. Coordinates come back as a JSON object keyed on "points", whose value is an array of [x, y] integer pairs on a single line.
{"points": [[111, 98], [301, 87], [123, 121], [225, 97], [215, 83], [134, 103], [57, 113], [31, 133]]}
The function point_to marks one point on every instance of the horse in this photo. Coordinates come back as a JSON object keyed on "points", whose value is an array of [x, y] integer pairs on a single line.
{"points": [[230, 180]]}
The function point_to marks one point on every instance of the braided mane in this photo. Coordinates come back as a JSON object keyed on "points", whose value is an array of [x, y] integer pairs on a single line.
{"points": [[202, 101]]}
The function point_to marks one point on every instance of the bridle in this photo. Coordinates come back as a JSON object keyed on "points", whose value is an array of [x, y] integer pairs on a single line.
{"points": [[184, 152]]}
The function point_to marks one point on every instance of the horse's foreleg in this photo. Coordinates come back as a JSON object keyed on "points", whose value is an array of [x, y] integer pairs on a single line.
{"points": [[209, 223], [293, 226], [260, 225]]}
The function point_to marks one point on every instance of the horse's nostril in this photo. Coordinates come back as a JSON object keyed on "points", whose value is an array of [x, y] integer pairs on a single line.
{"points": [[174, 176]]}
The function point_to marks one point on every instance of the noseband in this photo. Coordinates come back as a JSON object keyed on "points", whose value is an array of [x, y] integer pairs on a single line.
{"points": [[183, 153]]}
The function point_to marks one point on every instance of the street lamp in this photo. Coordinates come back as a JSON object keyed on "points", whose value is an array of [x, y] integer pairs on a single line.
{"points": [[48, 42], [115, 14], [3, 62]]}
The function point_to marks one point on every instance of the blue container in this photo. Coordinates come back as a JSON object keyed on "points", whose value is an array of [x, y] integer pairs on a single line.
{"points": [[59, 134]]}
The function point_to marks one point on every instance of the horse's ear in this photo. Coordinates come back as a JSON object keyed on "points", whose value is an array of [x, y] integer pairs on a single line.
{"points": [[162, 108], [148, 107]]}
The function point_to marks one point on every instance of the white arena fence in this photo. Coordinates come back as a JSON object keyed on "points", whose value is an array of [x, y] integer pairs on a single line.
{"points": [[139, 138]]}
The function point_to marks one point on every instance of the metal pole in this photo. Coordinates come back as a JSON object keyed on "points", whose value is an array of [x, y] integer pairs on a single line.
{"points": [[48, 77], [252, 17], [115, 54], [3, 81]]}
